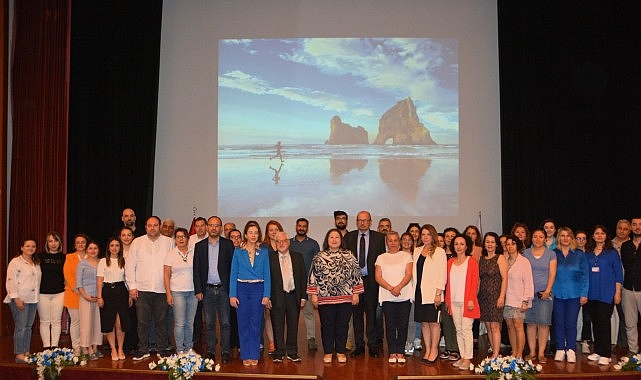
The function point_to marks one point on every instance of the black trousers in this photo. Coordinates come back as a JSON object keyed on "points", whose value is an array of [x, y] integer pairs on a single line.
{"points": [[397, 316], [600, 312], [334, 321], [286, 317], [364, 319]]}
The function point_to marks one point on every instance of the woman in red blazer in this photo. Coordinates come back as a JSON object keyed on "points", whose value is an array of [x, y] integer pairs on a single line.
{"points": [[460, 296]]}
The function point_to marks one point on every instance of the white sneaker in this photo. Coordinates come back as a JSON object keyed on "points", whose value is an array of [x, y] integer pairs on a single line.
{"points": [[594, 357], [571, 355], [409, 349], [559, 356], [604, 361], [417, 344], [585, 347]]}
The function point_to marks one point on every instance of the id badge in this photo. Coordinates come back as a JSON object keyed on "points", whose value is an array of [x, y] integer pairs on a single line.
{"points": [[595, 269]]}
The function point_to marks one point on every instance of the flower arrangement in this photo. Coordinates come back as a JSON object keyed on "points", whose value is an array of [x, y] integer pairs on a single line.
{"points": [[183, 366], [49, 363], [507, 367], [632, 363]]}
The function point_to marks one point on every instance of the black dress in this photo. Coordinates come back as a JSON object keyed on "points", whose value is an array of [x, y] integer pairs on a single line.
{"points": [[422, 312]]}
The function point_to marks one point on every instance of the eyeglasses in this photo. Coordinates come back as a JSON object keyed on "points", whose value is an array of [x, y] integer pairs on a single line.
{"points": [[181, 237]]}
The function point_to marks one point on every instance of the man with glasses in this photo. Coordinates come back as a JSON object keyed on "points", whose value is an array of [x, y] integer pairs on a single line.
{"points": [[289, 295], [212, 270], [340, 221], [366, 245]]}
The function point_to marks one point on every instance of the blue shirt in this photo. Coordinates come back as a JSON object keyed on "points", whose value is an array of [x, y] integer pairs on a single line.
{"points": [[605, 271], [572, 275], [212, 256], [540, 268], [241, 269], [308, 248], [86, 278]]}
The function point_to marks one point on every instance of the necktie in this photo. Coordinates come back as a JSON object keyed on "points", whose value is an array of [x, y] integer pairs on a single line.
{"points": [[361, 252]]}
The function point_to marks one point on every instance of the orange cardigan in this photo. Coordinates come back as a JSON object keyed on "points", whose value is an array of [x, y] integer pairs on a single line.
{"points": [[471, 288]]}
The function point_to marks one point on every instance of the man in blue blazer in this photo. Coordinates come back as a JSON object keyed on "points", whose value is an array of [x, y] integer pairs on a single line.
{"points": [[212, 268], [366, 245]]}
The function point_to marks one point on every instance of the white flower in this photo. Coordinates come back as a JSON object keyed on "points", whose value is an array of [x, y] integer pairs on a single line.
{"points": [[508, 376], [217, 368], [539, 368], [152, 365], [617, 367]]}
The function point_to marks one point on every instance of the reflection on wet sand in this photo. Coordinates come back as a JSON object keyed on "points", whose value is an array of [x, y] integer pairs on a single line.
{"points": [[338, 167], [403, 175]]}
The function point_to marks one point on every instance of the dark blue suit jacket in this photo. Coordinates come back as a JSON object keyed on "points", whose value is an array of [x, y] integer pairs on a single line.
{"points": [[201, 263]]}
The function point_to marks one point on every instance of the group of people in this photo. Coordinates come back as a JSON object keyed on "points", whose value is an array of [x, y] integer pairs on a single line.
{"points": [[413, 288]]}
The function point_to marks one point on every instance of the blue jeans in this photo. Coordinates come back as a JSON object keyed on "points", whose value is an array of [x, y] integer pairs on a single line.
{"points": [[216, 306], [565, 314], [23, 321], [185, 304]]}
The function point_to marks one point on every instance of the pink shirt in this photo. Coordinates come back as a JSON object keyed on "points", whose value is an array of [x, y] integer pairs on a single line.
{"points": [[520, 285]]}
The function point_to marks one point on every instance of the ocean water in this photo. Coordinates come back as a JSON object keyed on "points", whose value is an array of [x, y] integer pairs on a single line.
{"points": [[316, 179]]}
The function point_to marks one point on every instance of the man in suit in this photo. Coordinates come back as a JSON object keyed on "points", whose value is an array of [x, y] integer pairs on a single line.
{"points": [[212, 268], [366, 245], [289, 283]]}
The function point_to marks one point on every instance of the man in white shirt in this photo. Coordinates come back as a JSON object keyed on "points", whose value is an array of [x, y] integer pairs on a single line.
{"points": [[144, 274], [200, 226]]}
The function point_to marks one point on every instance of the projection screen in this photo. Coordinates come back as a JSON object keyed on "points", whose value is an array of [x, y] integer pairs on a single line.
{"points": [[286, 109]]}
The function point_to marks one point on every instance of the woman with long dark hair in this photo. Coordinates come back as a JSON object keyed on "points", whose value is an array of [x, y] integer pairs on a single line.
{"points": [[606, 279], [113, 298], [492, 288]]}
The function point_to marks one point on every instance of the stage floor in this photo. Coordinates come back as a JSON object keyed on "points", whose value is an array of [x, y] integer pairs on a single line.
{"points": [[363, 367]]}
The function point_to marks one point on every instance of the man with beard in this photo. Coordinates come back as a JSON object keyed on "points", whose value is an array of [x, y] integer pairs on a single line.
{"points": [[129, 220], [308, 247], [340, 221]]}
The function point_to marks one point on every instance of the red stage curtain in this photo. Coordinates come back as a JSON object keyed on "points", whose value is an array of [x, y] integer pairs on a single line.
{"points": [[40, 98]]}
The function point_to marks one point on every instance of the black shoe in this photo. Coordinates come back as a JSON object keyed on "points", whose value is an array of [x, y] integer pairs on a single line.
{"points": [[293, 357], [164, 353], [357, 352], [454, 356], [374, 353], [445, 354], [427, 361], [277, 359], [225, 358], [210, 355]]}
